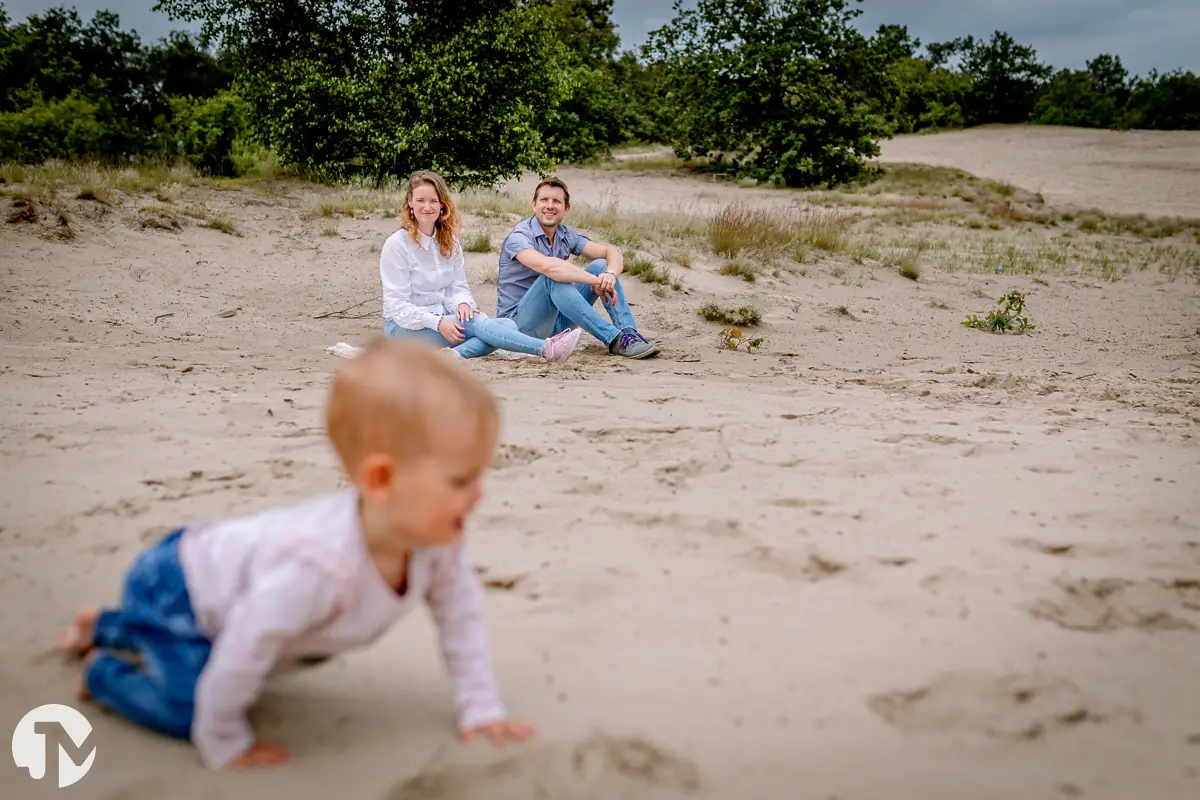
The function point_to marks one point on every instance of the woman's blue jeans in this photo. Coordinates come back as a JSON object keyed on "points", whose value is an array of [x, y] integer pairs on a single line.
{"points": [[484, 337]]}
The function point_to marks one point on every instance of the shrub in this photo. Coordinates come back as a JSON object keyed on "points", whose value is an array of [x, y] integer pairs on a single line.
{"points": [[68, 129], [207, 130]]}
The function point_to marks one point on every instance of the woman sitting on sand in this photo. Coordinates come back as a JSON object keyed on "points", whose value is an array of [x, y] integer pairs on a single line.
{"points": [[425, 290]]}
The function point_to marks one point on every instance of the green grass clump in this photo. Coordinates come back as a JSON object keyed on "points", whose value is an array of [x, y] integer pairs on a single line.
{"points": [[479, 243], [737, 268], [646, 270], [741, 317]]}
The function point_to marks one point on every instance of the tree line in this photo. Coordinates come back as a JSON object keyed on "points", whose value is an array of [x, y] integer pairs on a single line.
{"points": [[786, 91]]}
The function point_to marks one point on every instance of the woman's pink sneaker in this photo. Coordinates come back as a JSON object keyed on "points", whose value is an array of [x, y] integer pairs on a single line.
{"points": [[558, 348]]}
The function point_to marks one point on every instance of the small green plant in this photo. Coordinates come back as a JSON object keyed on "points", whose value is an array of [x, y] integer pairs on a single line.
{"points": [[1009, 317], [479, 243], [733, 339], [742, 317]]}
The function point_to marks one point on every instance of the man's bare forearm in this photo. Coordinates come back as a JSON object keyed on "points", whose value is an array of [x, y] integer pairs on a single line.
{"points": [[561, 271], [615, 261]]}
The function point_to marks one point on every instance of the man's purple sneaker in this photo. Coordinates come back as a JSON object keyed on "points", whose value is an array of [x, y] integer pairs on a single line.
{"points": [[631, 344]]}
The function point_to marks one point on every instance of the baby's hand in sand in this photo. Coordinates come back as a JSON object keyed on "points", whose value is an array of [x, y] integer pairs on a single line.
{"points": [[261, 754], [500, 731]]}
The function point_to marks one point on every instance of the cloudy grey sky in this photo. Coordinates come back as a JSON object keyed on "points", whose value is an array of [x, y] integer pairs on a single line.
{"points": [[1146, 34]]}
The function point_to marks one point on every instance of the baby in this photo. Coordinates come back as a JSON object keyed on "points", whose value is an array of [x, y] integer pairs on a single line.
{"points": [[215, 608]]}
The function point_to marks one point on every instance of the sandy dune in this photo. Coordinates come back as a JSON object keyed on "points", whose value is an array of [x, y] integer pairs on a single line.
{"points": [[1128, 172], [885, 557]]}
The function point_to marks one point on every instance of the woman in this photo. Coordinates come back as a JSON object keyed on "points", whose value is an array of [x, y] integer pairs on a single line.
{"points": [[425, 290]]}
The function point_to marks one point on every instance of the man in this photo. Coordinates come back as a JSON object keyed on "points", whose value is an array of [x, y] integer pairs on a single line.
{"points": [[545, 294]]}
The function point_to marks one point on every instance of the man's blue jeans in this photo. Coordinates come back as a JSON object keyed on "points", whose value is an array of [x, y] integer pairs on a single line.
{"points": [[157, 625], [550, 307], [484, 337]]}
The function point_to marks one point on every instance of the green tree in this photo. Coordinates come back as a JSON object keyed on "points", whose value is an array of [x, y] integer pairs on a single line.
{"points": [[588, 118], [54, 62], [1072, 98], [586, 28], [1169, 101], [929, 97], [1006, 78], [779, 90], [181, 66], [926, 93], [639, 85], [385, 88]]}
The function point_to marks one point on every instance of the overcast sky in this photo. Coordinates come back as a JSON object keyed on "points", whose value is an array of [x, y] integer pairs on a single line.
{"points": [[1160, 34]]}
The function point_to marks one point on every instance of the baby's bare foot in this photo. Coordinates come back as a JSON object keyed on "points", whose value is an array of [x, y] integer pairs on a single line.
{"points": [[77, 639]]}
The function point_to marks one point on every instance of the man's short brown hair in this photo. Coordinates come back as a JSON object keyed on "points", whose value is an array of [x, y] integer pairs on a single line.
{"points": [[557, 183]]}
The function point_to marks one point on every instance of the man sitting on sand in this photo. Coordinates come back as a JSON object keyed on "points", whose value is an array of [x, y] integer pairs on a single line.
{"points": [[545, 294]]}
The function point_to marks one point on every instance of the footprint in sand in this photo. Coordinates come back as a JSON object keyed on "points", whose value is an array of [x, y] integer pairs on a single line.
{"points": [[197, 484], [1062, 549], [1049, 469], [125, 509], [926, 489], [809, 568], [1112, 604], [600, 767], [632, 434], [513, 455], [573, 592], [798, 502], [927, 438], [719, 527], [677, 475], [1008, 707]]}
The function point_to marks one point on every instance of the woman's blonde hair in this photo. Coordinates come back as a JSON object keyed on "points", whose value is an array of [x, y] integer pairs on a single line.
{"points": [[445, 230]]}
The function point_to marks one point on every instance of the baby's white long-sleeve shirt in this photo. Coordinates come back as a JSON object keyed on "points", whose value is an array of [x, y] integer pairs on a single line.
{"points": [[273, 588]]}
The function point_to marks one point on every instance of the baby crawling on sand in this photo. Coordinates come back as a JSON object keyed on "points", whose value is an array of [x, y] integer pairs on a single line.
{"points": [[217, 607]]}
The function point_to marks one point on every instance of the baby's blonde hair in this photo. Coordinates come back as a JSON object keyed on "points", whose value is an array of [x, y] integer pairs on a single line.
{"points": [[387, 398]]}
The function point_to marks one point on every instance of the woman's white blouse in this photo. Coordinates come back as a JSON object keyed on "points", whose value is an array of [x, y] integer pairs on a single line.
{"points": [[420, 285]]}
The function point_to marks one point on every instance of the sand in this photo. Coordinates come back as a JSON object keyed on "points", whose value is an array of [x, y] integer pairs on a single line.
{"points": [[884, 557], [1128, 172]]}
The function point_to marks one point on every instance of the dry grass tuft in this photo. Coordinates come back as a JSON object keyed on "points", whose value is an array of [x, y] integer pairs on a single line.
{"points": [[162, 219], [772, 232]]}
